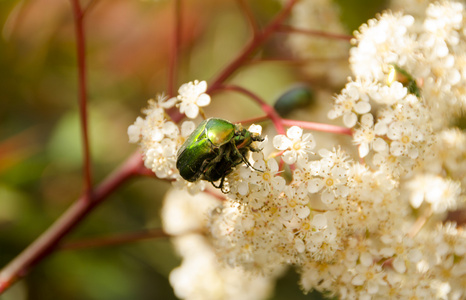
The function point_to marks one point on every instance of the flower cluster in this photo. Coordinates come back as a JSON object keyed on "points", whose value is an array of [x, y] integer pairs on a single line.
{"points": [[430, 48], [160, 138], [401, 132], [357, 227], [200, 275], [408, 268]]}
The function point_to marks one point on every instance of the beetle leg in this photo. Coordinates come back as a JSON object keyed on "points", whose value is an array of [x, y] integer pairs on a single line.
{"points": [[215, 186], [210, 164], [244, 159], [219, 156], [221, 185]]}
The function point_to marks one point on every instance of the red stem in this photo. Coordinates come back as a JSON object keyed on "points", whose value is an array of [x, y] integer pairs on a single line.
{"points": [[249, 16], [172, 69], [318, 126], [268, 109], [89, 6], [82, 94], [328, 35], [255, 42], [48, 240], [255, 120], [306, 125]]}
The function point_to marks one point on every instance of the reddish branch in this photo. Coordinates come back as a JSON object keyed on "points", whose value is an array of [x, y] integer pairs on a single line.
{"points": [[172, 70], [48, 240], [82, 94], [318, 126], [252, 46], [269, 110], [249, 16], [306, 125], [327, 35]]}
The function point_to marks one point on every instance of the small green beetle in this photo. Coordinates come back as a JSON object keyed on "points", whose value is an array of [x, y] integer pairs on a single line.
{"points": [[297, 97], [213, 149]]}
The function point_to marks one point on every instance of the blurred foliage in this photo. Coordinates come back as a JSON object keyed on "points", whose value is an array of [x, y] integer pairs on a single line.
{"points": [[356, 12], [40, 142]]}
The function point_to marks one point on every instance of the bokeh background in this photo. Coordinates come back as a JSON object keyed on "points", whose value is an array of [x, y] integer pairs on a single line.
{"points": [[128, 44]]}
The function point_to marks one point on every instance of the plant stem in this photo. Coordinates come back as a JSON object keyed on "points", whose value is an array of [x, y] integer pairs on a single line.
{"points": [[306, 125], [89, 6], [255, 120], [328, 35], [48, 240], [82, 94], [268, 109], [255, 42], [249, 17], [318, 126], [172, 69]]}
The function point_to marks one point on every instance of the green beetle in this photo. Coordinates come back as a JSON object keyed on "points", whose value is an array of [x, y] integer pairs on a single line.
{"points": [[213, 149], [297, 97]]}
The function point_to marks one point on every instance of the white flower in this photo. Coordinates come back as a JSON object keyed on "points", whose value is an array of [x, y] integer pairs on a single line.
{"points": [[332, 177], [257, 129], [267, 177], [135, 130], [440, 193], [239, 180], [293, 204], [295, 143], [192, 96], [366, 136], [183, 213], [390, 95], [201, 275], [381, 42], [404, 136], [353, 100]]}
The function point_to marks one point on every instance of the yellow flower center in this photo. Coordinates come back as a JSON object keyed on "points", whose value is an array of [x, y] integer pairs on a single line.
{"points": [[348, 105], [266, 176], [297, 146], [405, 139], [329, 182], [306, 226]]}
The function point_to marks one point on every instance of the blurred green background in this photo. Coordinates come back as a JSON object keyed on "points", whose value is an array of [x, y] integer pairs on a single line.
{"points": [[40, 143]]}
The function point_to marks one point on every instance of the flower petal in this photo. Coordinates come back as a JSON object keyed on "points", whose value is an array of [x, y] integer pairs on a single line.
{"points": [[289, 157], [379, 145], [363, 150], [281, 142], [315, 185], [350, 119], [203, 100], [294, 133], [362, 107], [191, 111]]}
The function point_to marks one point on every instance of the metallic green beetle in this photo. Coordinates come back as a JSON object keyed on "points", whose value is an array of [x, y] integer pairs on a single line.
{"points": [[213, 149]]}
